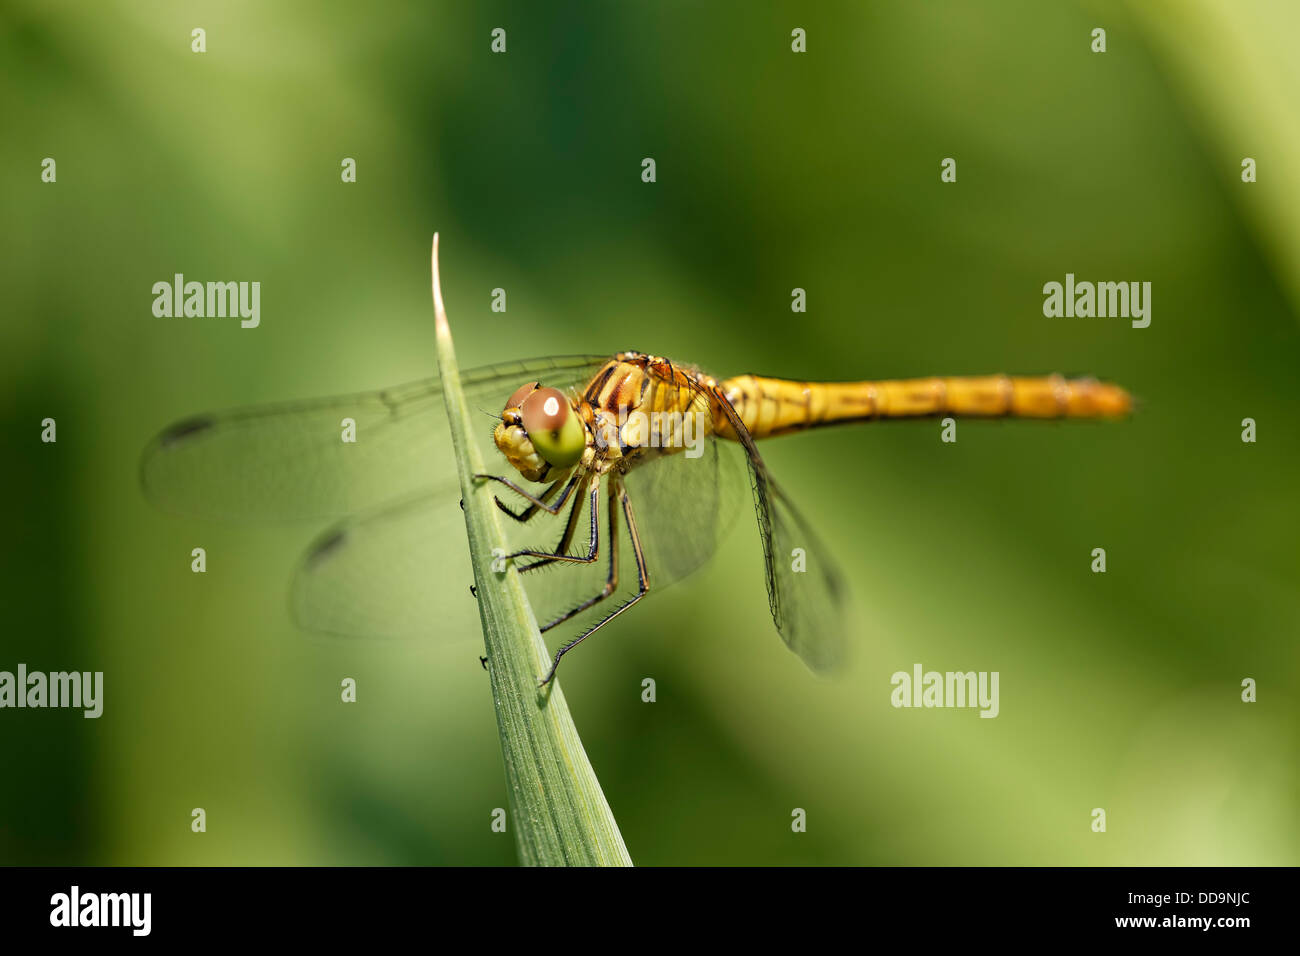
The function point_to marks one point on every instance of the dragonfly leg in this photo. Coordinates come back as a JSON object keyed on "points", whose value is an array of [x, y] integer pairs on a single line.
{"points": [[535, 501], [527, 513], [611, 580], [560, 554], [643, 585], [566, 539]]}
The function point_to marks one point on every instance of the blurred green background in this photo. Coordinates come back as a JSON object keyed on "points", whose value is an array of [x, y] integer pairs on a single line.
{"points": [[775, 170]]}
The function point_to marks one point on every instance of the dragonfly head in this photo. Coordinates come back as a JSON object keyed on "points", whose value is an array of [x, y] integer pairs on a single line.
{"points": [[540, 430]]}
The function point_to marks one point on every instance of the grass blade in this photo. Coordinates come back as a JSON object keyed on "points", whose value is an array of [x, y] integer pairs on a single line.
{"points": [[558, 812]]}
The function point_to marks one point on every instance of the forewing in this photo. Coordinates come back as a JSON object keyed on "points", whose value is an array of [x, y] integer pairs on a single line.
{"points": [[289, 461]]}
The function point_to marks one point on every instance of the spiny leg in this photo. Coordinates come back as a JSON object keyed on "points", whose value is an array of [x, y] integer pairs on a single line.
{"points": [[593, 547], [524, 516], [643, 585], [535, 501], [611, 580], [560, 552], [566, 539]]}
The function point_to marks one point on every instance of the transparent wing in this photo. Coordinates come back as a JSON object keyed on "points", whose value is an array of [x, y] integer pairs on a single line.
{"points": [[397, 572], [290, 461], [392, 572], [805, 591], [403, 571], [684, 506]]}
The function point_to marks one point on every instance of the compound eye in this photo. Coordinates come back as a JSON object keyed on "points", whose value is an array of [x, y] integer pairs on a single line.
{"points": [[517, 399], [554, 430], [544, 410]]}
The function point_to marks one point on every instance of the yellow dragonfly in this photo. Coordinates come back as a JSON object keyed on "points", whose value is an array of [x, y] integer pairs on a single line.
{"points": [[666, 443]]}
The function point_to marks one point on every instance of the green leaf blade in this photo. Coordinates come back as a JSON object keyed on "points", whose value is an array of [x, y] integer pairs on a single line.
{"points": [[558, 812]]}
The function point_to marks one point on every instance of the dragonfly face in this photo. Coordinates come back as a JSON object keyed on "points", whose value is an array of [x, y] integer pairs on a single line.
{"points": [[540, 431]]}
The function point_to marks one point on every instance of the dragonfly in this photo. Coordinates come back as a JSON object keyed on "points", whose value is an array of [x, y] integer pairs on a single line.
{"points": [[659, 448]]}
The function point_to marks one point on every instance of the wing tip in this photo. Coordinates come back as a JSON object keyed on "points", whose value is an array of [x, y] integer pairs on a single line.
{"points": [[165, 441], [186, 428], [323, 547]]}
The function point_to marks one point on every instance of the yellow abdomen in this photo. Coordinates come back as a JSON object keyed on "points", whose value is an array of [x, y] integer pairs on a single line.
{"points": [[773, 406]]}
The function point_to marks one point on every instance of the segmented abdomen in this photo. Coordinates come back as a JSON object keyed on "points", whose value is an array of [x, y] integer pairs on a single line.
{"points": [[772, 406]]}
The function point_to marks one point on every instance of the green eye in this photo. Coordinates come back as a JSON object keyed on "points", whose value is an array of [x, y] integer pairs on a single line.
{"points": [[552, 427]]}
